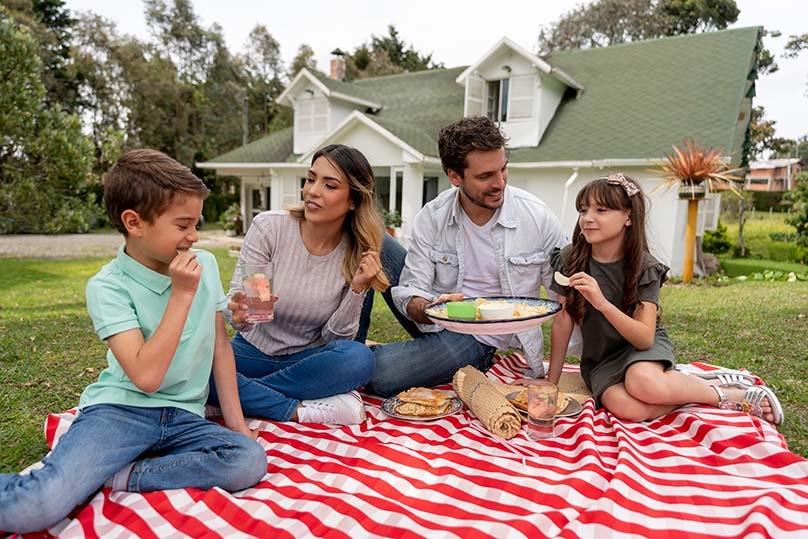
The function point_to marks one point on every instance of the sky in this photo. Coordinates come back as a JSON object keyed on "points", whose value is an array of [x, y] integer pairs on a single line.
{"points": [[458, 32]]}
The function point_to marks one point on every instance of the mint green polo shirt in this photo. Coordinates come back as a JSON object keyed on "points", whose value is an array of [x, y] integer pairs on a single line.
{"points": [[126, 295]]}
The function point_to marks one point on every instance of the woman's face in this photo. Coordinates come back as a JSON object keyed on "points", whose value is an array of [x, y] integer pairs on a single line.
{"points": [[326, 193]]}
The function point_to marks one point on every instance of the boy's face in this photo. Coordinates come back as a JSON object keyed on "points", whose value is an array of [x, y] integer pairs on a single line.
{"points": [[156, 244]]}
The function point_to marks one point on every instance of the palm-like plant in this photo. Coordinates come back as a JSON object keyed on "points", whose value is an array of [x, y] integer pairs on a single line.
{"points": [[694, 166], [696, 169]]}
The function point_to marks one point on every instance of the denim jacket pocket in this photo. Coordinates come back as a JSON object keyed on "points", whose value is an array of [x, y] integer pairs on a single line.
{"points": [[447, 270], [525, 272]]}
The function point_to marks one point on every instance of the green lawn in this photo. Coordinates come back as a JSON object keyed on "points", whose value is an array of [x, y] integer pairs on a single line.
{"points": [[49, 352]]}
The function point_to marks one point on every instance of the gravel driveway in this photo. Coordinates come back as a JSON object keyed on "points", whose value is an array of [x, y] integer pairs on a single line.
{"points": [[93, 244]]}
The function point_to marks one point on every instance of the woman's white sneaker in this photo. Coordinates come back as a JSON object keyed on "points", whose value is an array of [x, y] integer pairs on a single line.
{"points": [[342, 409]]}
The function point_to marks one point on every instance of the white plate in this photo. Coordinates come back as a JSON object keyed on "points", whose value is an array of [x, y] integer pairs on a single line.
{"points": [[389, 408], [494, 327]]}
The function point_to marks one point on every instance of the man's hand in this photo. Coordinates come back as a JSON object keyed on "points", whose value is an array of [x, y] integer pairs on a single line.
{"points": [[416, 306]]}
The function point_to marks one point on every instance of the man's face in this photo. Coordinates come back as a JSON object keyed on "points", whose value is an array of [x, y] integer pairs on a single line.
{"points": [[482, 185]]}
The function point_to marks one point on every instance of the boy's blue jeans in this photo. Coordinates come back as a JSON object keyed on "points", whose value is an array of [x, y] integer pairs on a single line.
{"points": [[170, 448]]}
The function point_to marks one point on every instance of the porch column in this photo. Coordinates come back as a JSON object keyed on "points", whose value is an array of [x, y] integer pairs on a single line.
{"points": [[411, 196]]}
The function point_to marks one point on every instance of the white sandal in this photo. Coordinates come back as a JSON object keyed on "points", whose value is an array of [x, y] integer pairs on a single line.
{"points": [[724, 377], [751, 403]]}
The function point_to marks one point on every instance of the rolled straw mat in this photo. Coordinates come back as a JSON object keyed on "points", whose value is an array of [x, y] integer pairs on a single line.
{"points": [[489, 405]]}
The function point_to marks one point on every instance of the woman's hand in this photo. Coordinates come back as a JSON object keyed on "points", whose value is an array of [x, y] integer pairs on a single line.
{"points": [[369, 266], [237, 306]]}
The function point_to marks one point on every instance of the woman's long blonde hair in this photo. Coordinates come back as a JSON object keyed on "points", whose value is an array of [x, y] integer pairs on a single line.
{"points": [[363, 224]]}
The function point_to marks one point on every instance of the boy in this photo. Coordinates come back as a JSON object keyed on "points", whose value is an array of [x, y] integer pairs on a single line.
{"points": [[158, 305]]}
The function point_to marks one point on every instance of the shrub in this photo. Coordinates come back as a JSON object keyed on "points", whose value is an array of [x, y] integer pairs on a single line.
{"points": [[716, 241]]}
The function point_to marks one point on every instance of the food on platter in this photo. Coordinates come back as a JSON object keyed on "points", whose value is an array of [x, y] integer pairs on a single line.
{"points": [[257, 284], [561, 279], [452, 310], [422, 402], [496, 310], [461, 310]]}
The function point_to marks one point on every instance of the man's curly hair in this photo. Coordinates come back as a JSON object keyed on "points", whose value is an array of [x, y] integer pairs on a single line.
{"points": [[458, 139]]}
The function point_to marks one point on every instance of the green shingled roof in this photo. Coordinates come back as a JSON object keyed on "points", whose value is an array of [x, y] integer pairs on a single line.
{"points": [[639, 99]]}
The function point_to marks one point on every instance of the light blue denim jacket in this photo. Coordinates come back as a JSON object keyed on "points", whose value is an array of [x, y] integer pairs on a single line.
{"points": [[524, 235]]}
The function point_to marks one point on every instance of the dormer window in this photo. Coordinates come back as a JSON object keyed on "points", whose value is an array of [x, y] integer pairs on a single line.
{"points": [[497, 100]]}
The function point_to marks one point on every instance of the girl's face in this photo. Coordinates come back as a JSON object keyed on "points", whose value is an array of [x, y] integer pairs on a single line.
{"points": [[326, 193], [601, 225]]}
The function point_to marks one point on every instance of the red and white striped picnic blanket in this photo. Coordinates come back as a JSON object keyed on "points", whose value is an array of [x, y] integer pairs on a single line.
{"points": [[699, 472]]}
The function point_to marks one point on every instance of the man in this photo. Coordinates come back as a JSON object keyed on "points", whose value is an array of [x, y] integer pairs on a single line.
{"points": [[480, 238]]}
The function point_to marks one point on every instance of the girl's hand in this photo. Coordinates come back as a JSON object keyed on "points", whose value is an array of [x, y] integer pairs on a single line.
{"points": [[369, 266], [589, 289]]}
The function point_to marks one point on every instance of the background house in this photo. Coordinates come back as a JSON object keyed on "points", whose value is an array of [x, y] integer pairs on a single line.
{"points": [[773, 174], [570, 116]]}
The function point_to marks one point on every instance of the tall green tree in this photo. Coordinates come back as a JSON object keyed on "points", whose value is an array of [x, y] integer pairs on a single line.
{"points": [[386, 55], [609, 22], [266, 79], [303, 58], [44, 157], [50, 25]]}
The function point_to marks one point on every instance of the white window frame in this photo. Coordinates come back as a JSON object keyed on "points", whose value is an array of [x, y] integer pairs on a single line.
{"points": [[475, 95], [311, 115]]}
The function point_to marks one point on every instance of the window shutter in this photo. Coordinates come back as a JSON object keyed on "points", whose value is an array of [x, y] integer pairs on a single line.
{"points": [[474, 96], [303, 116], [520, 97], [320, 115]]}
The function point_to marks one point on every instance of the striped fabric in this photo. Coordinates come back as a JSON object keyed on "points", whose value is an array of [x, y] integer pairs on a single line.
{"points": [[699, 472]]}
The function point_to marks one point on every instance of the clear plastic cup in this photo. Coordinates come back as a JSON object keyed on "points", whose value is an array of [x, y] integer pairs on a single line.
{"points": [[256, 282], [541, 409]]}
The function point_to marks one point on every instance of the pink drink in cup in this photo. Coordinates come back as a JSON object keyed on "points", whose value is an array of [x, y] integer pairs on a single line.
{"points": [[256, 281], [541, 409]]}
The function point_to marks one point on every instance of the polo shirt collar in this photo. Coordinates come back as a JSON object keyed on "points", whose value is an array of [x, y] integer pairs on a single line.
{"points": [[156, 282]]}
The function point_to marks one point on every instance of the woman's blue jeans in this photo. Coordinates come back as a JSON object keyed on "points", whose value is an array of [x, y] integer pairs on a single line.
{"points": [[170, 448], [273, 386]]}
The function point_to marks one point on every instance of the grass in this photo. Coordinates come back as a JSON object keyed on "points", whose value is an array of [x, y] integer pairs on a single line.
{"points": [[49, 352]]}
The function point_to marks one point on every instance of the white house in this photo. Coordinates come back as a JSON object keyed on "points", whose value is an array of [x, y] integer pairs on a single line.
{"points": [[570, 117]]}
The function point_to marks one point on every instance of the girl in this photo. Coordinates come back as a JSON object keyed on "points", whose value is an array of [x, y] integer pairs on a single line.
{"points": [[613, 293], [304, 366]]}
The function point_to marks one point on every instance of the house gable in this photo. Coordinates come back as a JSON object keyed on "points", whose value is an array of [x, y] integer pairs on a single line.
{"points": [[518, 89], [320, 104]]}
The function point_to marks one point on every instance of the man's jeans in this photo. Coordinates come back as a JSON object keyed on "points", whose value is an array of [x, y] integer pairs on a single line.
{"points": [[170, 448], [429, 360], [273, 386], [392, 257]]}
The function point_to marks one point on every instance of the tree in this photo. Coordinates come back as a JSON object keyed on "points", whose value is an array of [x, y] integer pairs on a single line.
{"points": [[44, 158], [303, 58], [608, 22], [50, 25], [265, 82], [386, 55]]}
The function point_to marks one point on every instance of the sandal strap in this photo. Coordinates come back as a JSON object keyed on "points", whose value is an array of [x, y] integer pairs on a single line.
{"points": [[749, 405], [722, 397]]}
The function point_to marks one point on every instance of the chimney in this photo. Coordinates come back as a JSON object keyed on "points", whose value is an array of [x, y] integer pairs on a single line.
{"points": [[338, 65]]}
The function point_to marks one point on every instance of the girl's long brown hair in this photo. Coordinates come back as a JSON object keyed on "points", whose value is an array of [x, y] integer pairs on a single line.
{"points": [[363, 224], [635, 244]]}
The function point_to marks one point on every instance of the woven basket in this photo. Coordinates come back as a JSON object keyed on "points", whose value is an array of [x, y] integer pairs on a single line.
{"points": [[487, 403]]}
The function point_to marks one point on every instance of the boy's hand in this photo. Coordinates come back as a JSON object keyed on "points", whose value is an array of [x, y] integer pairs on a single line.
{"points": [[185, 272]]}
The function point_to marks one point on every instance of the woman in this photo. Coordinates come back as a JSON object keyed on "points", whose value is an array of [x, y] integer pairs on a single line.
{"points": [[304, 366]]}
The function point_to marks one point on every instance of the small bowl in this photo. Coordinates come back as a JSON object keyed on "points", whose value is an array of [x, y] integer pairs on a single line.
{"points": [[496, 311]]}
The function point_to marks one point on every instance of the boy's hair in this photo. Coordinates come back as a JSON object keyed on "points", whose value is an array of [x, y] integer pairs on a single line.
{"points": [[458, 139], [147, 181], [611, 192]]}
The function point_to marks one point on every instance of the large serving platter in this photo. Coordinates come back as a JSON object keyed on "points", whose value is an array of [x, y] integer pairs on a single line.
{"points": [[549, 308]]}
